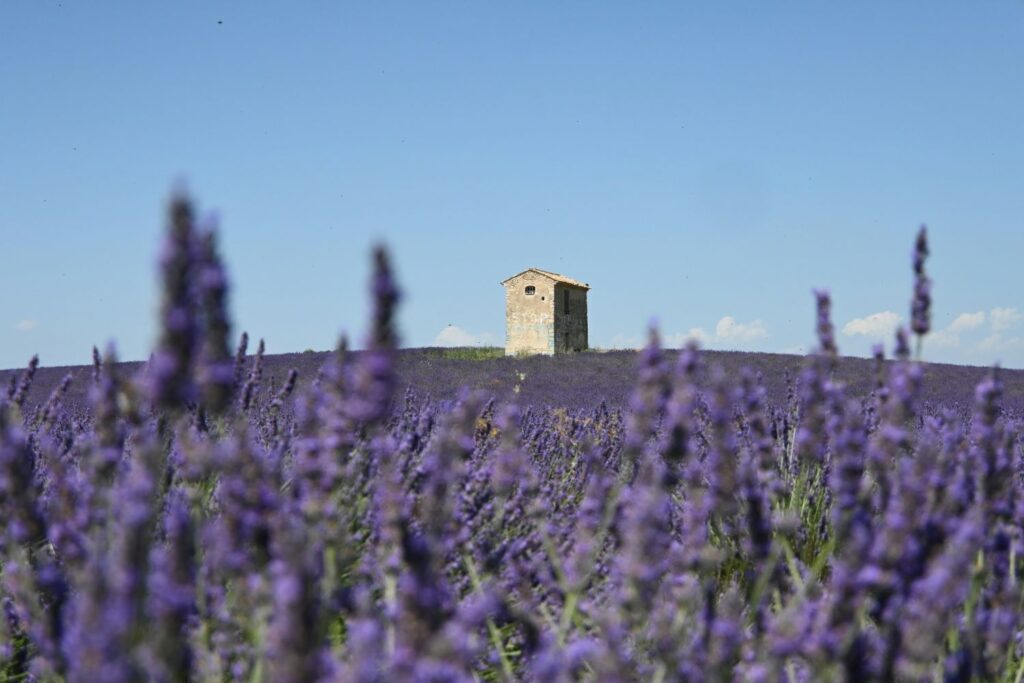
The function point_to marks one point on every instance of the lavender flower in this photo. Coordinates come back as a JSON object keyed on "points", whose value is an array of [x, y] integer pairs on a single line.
{"points": [[48, 416], [920, 309], [171, 595], [704, 526], [295, 653], [170, 373], [243, 346], [96, 363], [826, 333], [373, 381], [255, 376], [20, 391], [215, 373]]}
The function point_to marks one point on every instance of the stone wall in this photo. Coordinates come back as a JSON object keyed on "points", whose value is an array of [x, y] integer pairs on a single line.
{"points": [[529, 319], [538, 322], [571, 332]]}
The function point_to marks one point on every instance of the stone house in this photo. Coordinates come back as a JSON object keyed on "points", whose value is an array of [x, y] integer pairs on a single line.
{"points": [[544, 313]]}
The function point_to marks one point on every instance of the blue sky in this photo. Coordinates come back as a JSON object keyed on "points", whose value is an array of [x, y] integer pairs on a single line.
{"points": [[702, 164]]}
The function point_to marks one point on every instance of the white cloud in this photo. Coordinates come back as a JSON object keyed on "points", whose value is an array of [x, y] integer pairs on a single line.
{"points": [[681, 339], [456, 336], [967, 321], [946, 338], [875, 325], [25, 325], [728, 329], [991, 342], [1005, 318], [728, 334], [965, 339], [627, 341], [697, 334], [995, 343]]}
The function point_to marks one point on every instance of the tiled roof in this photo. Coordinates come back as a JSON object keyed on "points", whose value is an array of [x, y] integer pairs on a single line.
{"points": [[554, 276]]}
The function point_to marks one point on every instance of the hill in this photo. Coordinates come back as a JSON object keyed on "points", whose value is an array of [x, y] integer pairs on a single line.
{"points": [[580, 380]]}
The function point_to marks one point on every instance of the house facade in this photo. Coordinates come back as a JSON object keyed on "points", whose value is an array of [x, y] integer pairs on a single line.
{"points": [[545, 313]]}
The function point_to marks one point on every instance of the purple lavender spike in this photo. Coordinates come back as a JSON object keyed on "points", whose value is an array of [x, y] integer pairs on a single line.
{"points": [[826, 333], [215, 371], [295, 653], [96, 363], [20, 393], [373, 379], [647, 401], [255, 377], [239, 368], [171, 595], [47, 417], [171, 386], [920, 308], [902, 350]]}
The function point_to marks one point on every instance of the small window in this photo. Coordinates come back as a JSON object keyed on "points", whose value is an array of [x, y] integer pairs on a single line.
{"points": [[565, 301], [530, 290]]}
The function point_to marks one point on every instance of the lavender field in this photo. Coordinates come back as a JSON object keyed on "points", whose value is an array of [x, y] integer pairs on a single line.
{"points": [[399, 515], [577, 381]]}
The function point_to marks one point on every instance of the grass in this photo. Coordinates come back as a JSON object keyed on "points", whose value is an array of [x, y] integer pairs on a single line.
{"points": [[465, 352]]}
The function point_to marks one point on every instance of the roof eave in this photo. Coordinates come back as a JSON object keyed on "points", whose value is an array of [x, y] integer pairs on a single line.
{"points": [[562, 279]]}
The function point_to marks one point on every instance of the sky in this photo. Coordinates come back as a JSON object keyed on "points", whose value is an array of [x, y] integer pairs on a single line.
{"points": [[703, 166]]}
